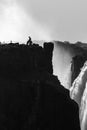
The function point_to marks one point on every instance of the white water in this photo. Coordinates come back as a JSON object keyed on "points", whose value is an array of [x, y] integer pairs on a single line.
{"points": [[78, 92], [62, 65]]}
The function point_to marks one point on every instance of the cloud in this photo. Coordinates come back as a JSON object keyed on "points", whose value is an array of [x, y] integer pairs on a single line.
{"points": [[65, 18], [56, 19], [16, 24]]}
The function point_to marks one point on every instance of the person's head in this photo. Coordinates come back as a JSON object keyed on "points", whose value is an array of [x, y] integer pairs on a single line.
{"points": [[29, 37]]}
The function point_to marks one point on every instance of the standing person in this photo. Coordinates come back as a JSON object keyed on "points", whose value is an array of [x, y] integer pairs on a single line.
{"points": [[29, 42]]}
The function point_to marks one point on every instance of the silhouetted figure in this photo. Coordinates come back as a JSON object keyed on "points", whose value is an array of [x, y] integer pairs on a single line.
{"points": [[29, 42]]}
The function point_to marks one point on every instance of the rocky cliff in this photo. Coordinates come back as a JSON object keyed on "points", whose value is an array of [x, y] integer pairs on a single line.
{"points": [[31, 97]]}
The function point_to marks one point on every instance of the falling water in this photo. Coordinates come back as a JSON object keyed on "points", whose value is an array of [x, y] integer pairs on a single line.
{"points": [[62, 57]]}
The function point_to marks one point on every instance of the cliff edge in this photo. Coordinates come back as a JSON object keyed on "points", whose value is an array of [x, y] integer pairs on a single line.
{"points": [[31, 97]]}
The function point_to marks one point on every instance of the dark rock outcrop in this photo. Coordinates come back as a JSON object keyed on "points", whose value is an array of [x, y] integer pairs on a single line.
{"points": [[20, 61], [36, 105], [31, 97], [77, 63]]}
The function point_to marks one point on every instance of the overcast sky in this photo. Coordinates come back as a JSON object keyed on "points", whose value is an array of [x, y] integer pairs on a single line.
{"points": [[64, 20]]}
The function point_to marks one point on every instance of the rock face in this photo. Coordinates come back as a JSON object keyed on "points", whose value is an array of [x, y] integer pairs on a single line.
{"points": [[20, 61], [31, 97], [77, 63], [78, 59]]}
